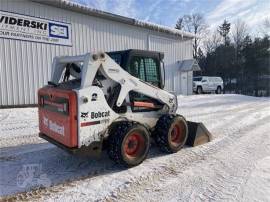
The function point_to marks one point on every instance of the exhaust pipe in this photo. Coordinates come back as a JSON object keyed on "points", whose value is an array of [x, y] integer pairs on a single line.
{"points": [[197, 134]]}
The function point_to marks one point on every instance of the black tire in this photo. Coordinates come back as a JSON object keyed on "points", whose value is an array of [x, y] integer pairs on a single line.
{"points": [[126, 137], [199, 90], [218, 91], [164, 133]]}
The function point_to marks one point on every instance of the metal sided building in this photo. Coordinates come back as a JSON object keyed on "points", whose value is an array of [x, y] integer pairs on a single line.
{"points": [[33, 32]]}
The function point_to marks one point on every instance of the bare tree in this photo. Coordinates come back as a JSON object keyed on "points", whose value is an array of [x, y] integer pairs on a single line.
{"points": [[265, 28], [239, 32], [266, 23], [212, 41], [195, 24]]}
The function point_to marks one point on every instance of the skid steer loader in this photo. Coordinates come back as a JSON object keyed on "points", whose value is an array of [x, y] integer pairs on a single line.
{"points": [[114, 101]]}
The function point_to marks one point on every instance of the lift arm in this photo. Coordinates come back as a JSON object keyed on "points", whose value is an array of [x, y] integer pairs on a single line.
{"points": [[110, 69]]}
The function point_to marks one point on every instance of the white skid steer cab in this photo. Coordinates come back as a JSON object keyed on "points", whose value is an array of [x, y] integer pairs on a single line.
{"points": [[113, 101]]}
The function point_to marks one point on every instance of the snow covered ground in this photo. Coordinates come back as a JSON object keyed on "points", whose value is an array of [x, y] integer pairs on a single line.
{"points": [[235, 166]]}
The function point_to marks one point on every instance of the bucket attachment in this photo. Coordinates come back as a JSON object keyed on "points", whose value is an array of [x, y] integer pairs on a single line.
{"points": [[197, 134]]}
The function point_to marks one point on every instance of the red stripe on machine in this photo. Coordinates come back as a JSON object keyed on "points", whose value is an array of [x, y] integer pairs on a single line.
{"points": [[90, 123]]}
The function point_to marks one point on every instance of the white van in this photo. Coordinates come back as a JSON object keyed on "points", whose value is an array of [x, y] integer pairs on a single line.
{"points": [[206, 84]]}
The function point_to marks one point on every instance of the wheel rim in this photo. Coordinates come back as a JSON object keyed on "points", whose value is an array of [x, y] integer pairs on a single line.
{"points": [[134, 145], [177, 134]]}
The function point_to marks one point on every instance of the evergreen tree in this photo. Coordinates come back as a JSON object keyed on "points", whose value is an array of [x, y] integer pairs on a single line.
{"points": [[257, 64], [224, 30]]}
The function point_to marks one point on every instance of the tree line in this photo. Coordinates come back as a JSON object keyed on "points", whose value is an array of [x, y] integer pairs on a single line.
{"points": [[231, 52]]}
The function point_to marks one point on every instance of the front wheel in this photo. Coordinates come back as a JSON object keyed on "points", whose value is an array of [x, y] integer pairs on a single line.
{"points": [[199, 90], [171, 133], [128, 143], [218, 91]]}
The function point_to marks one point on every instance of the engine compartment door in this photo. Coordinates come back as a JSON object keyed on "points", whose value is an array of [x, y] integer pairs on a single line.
{"points": [[58, 115]]}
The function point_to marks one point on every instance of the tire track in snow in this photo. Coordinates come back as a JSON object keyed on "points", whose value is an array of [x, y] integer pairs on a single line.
{"points": [[220, 109], [228, 184], [224, 113]]}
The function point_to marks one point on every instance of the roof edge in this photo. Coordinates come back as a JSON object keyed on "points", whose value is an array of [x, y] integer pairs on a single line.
{"points": [[76, 7], [189, 65]]}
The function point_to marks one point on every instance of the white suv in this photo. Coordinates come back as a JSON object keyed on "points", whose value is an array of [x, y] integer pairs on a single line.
{"points": [[206, 84]]}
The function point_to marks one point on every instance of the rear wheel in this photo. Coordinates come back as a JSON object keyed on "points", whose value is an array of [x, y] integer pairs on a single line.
{"points": [[171, 133], [128, 143], [199, 90]]}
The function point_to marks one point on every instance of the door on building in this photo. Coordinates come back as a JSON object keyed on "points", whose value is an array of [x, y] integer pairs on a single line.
{"points": [[177, 81], [184, 82], [189, 82]]}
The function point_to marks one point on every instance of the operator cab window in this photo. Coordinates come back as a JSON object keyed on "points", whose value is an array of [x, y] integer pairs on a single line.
{"points": [[151, 68], [145, 69], [137, 68]]}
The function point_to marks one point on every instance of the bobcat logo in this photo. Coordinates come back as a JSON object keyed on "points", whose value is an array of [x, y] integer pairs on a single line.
{"points": [[84, 114]]}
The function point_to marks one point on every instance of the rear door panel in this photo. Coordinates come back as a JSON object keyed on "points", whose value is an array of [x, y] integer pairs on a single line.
{"points": [[58, 115]]}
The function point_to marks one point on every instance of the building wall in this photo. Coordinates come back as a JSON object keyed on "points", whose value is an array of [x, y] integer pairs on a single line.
{"points": [[25, 66], [174, 50]]}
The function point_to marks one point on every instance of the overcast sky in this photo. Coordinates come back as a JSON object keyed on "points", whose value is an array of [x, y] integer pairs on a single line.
{"points": [[166, 12]]}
